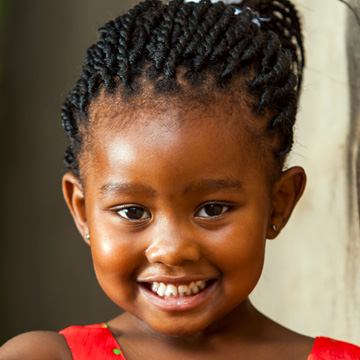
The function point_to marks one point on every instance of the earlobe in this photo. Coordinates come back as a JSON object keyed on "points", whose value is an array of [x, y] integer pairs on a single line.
{"points": [[286, 193], [75, 199]]}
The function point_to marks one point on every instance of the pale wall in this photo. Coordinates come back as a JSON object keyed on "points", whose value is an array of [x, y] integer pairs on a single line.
{"points": [[310, 281]]}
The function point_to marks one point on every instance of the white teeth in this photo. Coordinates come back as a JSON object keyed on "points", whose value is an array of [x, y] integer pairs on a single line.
{"points": [[201, 284], [155, 285], [195, 289], [163, 289], [182, 289], [171, 290]]}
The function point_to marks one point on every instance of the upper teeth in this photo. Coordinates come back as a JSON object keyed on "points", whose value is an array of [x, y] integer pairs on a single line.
{"points": [[163, 289]]}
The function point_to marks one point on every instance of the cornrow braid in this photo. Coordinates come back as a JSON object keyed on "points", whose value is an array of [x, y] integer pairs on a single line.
{"points": [[154, 41]]}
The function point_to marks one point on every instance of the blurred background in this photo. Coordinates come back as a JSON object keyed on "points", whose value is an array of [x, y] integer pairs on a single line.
{"points": [[311, 278]]}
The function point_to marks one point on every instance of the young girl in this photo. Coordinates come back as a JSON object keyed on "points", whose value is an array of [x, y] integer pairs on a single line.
{"points": [[179, 129]]}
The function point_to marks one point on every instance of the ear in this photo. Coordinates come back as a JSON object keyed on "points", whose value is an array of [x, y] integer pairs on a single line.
{"points": [[75, 199], [286, 193]]}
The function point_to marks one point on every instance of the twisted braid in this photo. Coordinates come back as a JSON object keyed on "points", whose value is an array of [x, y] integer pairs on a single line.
{"points": [[154, 41]]}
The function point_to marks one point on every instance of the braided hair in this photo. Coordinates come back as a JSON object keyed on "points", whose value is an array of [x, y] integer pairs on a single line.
{"points": [[154, 41]]}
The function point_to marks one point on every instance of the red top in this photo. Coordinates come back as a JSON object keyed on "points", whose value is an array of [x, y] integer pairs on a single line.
{"points": [[95, 342], [329, 349]]}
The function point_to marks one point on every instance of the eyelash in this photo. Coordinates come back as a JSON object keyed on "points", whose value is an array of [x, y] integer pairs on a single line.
{"points": [[133, 206], [226, 207]]}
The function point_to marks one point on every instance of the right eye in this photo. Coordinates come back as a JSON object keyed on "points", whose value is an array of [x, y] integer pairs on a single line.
{"points": [[212, 210], [134, 213]]}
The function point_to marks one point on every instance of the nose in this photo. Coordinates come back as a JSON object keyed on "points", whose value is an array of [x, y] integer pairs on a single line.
{"points": [[173, 247]]}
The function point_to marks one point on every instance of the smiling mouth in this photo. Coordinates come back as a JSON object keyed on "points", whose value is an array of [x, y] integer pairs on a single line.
{"points": [[178, 290]]}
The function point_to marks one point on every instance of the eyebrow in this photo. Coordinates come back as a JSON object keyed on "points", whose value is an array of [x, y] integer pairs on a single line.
{"points": [[125, 188], [204, 185], [207, 185]]}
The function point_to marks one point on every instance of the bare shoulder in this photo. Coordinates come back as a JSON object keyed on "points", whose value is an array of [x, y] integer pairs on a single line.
{"points": [[36, 345]]}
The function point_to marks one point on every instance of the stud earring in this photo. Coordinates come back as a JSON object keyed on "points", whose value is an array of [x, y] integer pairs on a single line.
{"points": [[275, 228], [87, 236]]}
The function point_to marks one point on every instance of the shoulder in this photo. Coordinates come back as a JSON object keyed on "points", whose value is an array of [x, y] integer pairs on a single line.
{"points": [[36, 345], [330, 349]]}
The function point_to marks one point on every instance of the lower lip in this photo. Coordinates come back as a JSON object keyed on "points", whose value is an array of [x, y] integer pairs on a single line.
{"points": [[184, 303]]}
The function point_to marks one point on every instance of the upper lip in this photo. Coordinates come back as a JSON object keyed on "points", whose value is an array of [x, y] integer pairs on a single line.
{"points": [[175, 279]]}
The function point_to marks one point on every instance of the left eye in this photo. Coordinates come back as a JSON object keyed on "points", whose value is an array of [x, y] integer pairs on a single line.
{"points": [[212, 210], [134, 213]]}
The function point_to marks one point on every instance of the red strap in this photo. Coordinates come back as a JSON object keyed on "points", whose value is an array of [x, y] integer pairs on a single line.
{"points": [[93, 342], [329, 349]]}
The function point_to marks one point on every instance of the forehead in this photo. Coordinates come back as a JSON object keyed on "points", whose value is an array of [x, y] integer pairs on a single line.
{"points": [[228, 109], [171, 121]]}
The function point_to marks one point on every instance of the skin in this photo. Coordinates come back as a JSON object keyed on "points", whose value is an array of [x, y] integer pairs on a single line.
{"points": [[176, 163]]}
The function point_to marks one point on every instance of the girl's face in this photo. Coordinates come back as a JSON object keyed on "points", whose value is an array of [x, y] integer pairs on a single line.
{"points": [[175, 198]]}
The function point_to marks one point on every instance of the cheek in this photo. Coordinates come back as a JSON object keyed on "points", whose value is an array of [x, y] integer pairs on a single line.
{"points": [[243, 269], [115, 260], [113, 251], [244, 256], [241, 248]]}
